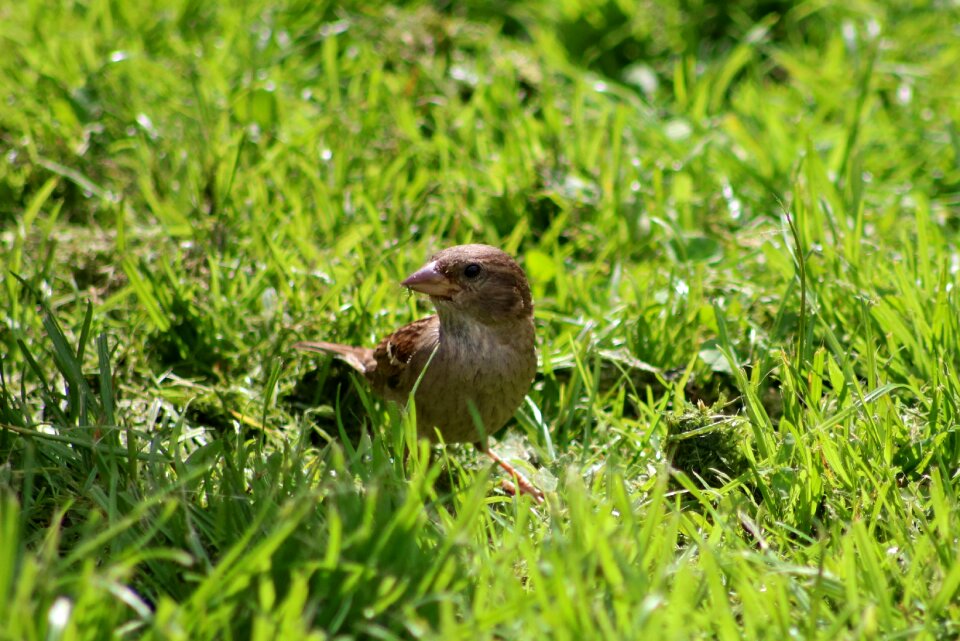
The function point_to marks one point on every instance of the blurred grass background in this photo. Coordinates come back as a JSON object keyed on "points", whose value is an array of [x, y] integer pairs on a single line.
{"points": [[740, 221]]}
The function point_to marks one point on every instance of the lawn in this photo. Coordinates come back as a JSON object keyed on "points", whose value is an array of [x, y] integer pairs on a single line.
{"points": [[740, 221]]}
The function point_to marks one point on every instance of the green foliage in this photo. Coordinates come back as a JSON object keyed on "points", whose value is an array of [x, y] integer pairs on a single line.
{"points": [[741, 228]]}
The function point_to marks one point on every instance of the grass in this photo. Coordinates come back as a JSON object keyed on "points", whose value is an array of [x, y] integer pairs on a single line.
{"points": [[741, 226]]}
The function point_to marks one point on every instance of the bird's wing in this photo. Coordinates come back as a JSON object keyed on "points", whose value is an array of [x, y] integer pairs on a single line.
{"points": [[402, 355], [359, 358]]}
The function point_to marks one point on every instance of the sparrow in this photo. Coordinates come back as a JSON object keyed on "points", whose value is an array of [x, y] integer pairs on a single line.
{"points": [[474, 359]]}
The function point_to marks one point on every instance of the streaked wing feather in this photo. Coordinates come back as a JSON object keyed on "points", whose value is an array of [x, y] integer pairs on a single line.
{"points": [[396, 354]]}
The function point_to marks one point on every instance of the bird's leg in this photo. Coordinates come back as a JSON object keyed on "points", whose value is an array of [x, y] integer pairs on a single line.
{"points": [[525, 486]]}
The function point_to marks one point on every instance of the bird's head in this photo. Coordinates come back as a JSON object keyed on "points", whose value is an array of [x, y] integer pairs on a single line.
{"points": [[479, 281]]}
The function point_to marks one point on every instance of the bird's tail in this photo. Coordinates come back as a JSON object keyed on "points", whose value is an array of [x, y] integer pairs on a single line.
{"points": [[359, 358]]}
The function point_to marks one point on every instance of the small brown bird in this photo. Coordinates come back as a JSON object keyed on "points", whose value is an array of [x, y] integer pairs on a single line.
{"points": [[478, 350]]}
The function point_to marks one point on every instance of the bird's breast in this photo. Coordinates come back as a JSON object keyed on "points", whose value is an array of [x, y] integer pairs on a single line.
{"points": [[479, 368]]}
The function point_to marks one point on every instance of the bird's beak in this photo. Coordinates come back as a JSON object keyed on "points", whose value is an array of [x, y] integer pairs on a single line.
{"points": [[430, 280]]}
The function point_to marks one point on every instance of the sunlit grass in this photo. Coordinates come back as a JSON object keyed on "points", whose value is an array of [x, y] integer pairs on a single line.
{"points": [[742, 240]]}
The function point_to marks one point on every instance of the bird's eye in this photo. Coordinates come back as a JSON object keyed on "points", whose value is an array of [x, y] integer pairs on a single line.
{"points": [[472, 270]]}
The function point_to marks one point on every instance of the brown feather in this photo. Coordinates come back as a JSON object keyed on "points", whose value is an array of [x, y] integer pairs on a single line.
{"points": [[359, 358]]}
